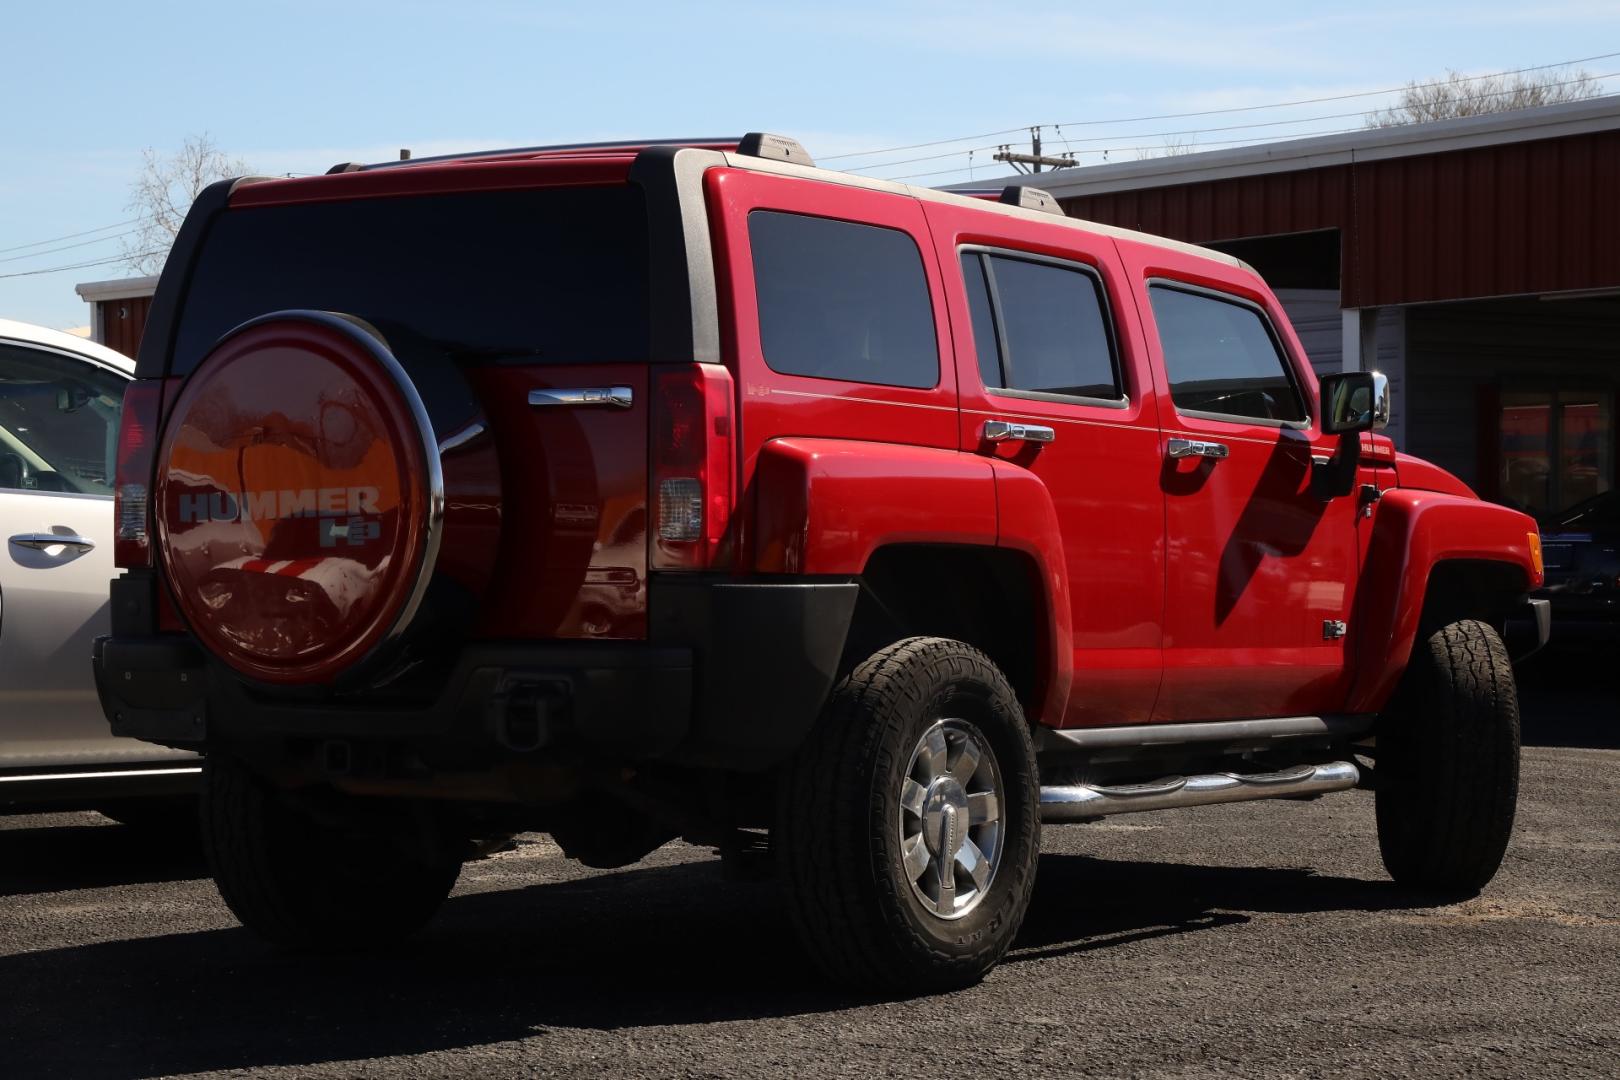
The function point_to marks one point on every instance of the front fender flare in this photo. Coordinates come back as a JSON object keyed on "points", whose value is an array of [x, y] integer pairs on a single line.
{"points": [[1414, 532]]}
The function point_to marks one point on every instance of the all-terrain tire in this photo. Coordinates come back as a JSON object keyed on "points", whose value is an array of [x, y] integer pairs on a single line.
{"points": [[1447, 770], [305, 885], [839, 831]]}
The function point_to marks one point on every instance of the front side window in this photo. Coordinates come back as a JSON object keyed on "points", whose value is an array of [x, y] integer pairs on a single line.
{"points": [[58, 422], [838, 300], [1040, 327], [1221, 358]]}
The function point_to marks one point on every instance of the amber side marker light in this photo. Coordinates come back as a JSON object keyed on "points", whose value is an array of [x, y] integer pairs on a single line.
{"points": [[1535, 555]]}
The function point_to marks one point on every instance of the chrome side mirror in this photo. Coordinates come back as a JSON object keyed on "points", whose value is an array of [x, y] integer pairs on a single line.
{"points": [[1355, 401]]}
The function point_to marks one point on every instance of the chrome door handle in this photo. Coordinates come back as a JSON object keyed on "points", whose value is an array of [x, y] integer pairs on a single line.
{"points": [[1003, 431], [621, 396], [1184, 448], [41, 541]]}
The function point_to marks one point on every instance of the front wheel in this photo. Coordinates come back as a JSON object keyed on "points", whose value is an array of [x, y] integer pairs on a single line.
{"points": [[308, 884], [1448, 763], [909, 827]]}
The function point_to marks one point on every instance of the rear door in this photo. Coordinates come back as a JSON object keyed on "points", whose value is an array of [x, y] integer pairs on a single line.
{"points": [[58, 431], [1261, 571], [1046, 335]]}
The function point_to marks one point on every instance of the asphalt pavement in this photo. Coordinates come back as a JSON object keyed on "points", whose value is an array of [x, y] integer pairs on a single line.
{"points": [[1256, 940]]}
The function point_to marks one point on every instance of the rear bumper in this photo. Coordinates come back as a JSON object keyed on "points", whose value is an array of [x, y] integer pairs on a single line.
{"points": [[733, 675]]}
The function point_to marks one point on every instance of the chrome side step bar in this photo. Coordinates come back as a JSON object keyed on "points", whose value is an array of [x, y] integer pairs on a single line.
{"points": [[1082, 802]]}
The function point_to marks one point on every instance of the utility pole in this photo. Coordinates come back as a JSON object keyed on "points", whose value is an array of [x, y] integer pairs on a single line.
{"points": [[1035, 159]]}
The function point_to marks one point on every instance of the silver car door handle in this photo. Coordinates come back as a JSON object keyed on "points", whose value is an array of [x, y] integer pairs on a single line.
{"points": [[41, 541], [1184, 448], [1003, 431], [620, 396]]}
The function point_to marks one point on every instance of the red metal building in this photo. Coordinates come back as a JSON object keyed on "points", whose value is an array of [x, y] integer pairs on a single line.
{"points": [[1476, 261]]}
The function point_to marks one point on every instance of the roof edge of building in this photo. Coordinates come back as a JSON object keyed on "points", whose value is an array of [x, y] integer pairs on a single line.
{"points": [[1292, 155], [117, 288]]}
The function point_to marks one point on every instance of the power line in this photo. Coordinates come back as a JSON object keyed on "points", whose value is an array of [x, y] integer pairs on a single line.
{"points": [[83, 265], [68, 247], [69, 236], [1219, 112]]}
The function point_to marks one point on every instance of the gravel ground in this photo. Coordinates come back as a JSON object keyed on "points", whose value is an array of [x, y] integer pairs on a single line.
{"points": [[1253, 940]]}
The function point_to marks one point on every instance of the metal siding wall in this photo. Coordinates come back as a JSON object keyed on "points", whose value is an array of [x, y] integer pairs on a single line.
{"points": [[1494, 221]]}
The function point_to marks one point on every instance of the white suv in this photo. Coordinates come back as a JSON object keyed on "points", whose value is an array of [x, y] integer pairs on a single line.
{"points": [[60, 399]]}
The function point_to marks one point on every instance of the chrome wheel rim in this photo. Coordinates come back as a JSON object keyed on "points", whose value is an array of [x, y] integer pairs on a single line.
{"points": [[950, 819]]}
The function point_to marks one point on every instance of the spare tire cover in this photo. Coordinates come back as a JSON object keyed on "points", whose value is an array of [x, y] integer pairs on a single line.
{"points": [[299, 499]]}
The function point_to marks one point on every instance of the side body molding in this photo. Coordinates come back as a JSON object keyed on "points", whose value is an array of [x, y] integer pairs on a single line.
{"points": [[1414, 531]]}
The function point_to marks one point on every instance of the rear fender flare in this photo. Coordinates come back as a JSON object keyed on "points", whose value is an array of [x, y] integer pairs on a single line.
{"points": [[1414, 532], [825, 506]]}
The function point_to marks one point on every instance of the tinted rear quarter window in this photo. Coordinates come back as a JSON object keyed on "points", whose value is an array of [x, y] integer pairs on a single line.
{"points": [[544, 276], [841, 300], [1221, 358]]}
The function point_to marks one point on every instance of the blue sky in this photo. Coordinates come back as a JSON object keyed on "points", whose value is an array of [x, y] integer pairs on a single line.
{"points": [[295, 87]]}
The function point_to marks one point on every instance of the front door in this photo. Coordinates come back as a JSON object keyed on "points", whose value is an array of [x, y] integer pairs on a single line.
{"points": [[1260, 569], [58, 429]]}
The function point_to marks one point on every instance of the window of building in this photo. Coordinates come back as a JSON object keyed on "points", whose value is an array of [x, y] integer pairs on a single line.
{"points": [[1557, 448], [839, 300], [1040, 327], [1222, 359]]}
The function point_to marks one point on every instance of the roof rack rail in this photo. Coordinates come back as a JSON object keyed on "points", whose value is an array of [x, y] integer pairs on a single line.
{"points": [[343, 167], [594, 147], [1031, 198], [762, 144]]}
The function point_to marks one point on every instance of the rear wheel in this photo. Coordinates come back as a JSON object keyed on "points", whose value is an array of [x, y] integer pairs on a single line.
{"points": [[1448, 763], [305, 884], [908, 829]]}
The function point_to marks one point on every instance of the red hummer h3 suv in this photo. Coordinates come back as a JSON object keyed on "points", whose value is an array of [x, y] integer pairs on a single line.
{"points": [[634, 492]]}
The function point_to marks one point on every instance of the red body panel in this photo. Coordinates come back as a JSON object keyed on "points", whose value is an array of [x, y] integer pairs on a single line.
{"points": [[499, 175], [573, 555], [1412, 531], [1101, 473]]}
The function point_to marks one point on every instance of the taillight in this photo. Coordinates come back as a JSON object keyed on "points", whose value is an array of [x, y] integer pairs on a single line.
{"points": [[693, 466], [137, 439]]}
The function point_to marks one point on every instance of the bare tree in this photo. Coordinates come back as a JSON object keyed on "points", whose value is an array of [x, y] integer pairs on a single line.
{"points": [[163, 192], [1174, 146], [1461, 95]]}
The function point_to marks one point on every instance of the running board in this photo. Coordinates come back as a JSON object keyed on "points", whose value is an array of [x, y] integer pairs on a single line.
{"points": [[1209, 731], [1082, 802]]}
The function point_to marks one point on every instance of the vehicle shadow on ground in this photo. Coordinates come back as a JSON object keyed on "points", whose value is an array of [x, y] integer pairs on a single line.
{"points": [[58, 858], [670, 945]]}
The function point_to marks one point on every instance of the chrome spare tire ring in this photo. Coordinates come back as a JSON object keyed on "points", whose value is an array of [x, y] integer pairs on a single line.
{"points": [[950, 818]]}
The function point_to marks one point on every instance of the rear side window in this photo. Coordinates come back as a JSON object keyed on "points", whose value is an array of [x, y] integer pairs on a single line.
{"points": [[1040, 327], [543, 276], [1221, 357], [838, 300]]}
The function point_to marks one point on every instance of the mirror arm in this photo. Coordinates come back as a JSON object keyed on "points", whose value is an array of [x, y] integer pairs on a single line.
{"points": [[1336, 477]]}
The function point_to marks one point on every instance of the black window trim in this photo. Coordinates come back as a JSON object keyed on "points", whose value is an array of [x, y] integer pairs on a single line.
{"points": [[983, 252], [1288, 363], [928, 288]]}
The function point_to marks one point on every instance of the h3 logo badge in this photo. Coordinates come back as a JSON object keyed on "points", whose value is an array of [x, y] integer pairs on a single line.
{"points": [[353, 531]]}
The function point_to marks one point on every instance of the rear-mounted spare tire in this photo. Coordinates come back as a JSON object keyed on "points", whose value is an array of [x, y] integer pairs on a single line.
{"points": [[300, 501]]}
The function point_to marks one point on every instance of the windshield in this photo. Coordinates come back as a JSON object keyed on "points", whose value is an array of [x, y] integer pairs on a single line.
{"points": [[542, 276], [1599, 512]]}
